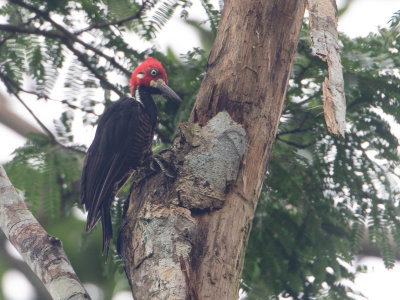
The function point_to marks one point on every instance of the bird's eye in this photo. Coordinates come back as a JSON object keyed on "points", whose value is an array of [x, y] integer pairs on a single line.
{"points": [[153, 72]]}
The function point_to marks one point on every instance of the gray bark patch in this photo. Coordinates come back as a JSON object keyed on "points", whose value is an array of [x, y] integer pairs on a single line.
{"points": [[220, 162], [212, 164]]}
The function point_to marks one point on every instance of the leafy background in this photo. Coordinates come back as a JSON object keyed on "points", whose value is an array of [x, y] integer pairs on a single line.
{"points": [[325, 199]]}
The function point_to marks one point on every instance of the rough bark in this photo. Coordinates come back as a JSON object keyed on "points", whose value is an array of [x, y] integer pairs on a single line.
{"points": [[185, 238], [325, 44], [43, 253], [18, 264]]}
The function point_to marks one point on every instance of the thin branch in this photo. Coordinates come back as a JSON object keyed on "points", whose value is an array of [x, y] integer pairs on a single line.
{"points": [[13, 121], [137, 15], [29, 30], [42, 252], [109, 58], [64, 101], [317, 93], [41, 124], [45, 97], [12, 87], [12, 34], [49, 133], [82, 58], [66, 34], [68, 39], [73, 106], [308, 99]]}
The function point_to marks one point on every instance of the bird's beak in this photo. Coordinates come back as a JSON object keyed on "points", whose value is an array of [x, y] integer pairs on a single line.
{"points": [[165, 90]]}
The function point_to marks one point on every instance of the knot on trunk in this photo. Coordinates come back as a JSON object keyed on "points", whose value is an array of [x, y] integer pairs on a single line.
{"points": [[209, 162]]}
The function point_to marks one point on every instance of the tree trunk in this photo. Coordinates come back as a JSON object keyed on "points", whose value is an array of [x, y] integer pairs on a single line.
{"points": [[185, 238]]}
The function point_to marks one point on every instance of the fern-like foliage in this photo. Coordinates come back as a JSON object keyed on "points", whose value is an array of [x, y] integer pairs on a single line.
{"points": [[213, 14], [48, 175], [395, 21]]}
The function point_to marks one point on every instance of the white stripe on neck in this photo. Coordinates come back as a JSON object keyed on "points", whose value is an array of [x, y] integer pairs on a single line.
{"points": [[137, 96]]}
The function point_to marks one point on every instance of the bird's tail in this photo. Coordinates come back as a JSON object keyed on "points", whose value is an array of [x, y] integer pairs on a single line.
{"points": [[92, 221], [107, 229]]}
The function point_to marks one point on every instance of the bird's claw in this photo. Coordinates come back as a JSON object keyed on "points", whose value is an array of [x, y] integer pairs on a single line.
{"points": [[158, 160]]}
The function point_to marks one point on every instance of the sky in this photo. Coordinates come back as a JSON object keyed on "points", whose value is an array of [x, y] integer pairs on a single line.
{"points": [[363, 17]]}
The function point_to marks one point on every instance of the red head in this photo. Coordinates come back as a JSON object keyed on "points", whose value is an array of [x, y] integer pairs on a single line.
{"points": [[148, 71]]}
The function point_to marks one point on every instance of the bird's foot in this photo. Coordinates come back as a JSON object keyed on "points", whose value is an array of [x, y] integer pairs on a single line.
{"points": [[159, 161]]}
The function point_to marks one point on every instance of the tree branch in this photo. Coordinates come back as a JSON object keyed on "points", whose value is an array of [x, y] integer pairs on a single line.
{"points": [[13, 121], [45, 97], [20, 265], [7, 82], [69, 44], [81, 57], [137, 15], [325, 44], [11, 86], [12, 34], [309, 98], [66, 34], [49, 133], [29, 30], [300, 103], [43, 253], [73, 106]]}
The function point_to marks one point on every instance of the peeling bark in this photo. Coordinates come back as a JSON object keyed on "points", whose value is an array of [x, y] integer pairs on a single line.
{"points": [[185, 238], [42, 252], [325, 44]]}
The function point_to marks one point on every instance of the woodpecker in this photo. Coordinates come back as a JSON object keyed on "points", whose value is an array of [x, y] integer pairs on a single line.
{"points": [[122, 142]]}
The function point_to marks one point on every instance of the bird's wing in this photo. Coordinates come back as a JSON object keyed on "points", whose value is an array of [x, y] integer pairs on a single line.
{"points": [[105, 162]]}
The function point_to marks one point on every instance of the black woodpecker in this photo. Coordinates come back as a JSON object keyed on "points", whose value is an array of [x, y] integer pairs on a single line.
{"points": [[122, 142]]}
